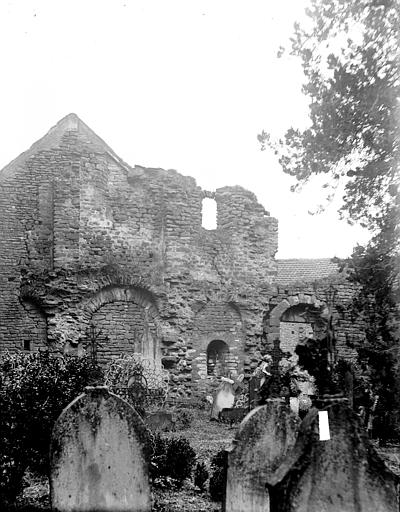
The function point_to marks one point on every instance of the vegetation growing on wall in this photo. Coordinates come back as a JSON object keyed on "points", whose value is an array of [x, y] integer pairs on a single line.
{"points": [[34, 389], [349, 52]]}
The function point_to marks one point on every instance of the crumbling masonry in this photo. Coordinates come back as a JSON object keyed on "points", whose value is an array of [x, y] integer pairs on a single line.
{"points": [[86, 240]]}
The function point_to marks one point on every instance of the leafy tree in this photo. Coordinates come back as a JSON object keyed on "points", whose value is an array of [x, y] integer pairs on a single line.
{"points": [[350, 52], [350, 58]]}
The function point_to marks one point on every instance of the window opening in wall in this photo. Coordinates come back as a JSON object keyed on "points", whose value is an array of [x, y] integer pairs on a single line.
{"points": [[27, 345], [209, 213], [217, 352]]}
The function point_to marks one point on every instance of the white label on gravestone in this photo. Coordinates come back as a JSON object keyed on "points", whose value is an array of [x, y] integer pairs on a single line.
{"points": [[324, 434]]}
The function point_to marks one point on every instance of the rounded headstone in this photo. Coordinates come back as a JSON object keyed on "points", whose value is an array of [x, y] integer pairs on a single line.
{"points": [[264, 438], [99, 456]]}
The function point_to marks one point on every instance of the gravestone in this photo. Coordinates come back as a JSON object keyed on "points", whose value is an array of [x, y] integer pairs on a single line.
{"points": [[99, 456], [264, 438], [160, 420], [343, 473], [235, 415], [224, 397]]}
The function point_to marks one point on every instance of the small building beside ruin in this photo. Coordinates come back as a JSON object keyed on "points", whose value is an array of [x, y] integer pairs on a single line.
{"points": [[88, 243]]}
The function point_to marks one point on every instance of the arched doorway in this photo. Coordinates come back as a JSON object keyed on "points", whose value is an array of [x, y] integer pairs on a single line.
{"points": [[217, 358], [296, 326], [293, 320]]}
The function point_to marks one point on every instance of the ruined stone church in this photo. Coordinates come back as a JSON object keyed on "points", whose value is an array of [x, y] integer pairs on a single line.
{"points": [[88, 242]]}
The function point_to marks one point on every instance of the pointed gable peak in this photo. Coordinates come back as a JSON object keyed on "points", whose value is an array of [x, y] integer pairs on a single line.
{"points": [[54, 137]]}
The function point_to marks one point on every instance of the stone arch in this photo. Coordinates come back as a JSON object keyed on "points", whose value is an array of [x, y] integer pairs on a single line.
{"points": [[300, 308], [217, 321], [233, 358], [125, 320], [121, 293]]}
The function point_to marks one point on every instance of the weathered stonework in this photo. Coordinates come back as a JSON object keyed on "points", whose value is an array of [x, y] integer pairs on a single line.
{"points": [[308, 304], [86, 240]]}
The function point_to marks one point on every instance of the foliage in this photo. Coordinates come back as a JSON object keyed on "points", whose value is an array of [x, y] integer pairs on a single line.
{"points": [[180, 459], [172, 458], [218, 477], [349, 52], [158, 466], [34, 389], [200, 475], [313, 357], [183, 419], [344, 377], [283, 379]]}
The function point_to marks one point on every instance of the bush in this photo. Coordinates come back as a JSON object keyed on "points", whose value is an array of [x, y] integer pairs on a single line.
{"points": [[34, 389], [183, 419], [172, 458], [200, 475], [158, 465], [218, 478]]}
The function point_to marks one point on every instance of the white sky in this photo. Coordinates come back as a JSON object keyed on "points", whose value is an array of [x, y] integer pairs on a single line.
{"points": [[183, 84]]}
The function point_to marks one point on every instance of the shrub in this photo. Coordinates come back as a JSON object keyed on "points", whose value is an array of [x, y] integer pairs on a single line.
{"points": [[34, 389], [200, 475], [158, 465], [183, 419], [218, 478], [180, 459], [172, 458]]}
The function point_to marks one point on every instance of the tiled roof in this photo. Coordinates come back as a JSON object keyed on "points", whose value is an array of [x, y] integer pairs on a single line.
{"points": [[306, 270]]}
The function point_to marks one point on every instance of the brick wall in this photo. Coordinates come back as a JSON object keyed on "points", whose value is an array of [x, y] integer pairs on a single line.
{"points": [[122, 328]]}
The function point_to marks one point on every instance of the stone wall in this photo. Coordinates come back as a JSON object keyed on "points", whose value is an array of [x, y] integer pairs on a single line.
{"points": [[90, 240], [317, 298], [123, 328], [293, 333], [86, 240]]}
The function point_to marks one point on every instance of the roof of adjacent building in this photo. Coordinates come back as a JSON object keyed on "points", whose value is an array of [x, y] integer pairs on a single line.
{"points": [[306, 270]]}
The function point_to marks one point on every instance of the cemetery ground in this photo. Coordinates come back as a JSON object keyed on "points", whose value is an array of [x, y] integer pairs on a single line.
{"points": [[101, 441], [206, 437]]}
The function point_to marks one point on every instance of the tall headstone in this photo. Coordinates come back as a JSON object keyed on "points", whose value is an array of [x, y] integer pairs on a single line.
{"points": [[335, 470], [99, 456], [264, 438]]}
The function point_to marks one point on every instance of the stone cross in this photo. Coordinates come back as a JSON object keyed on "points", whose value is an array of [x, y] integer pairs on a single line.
{"points": [[99, 456]]}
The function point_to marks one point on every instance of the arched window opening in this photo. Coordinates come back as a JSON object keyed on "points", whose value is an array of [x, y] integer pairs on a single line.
{"points": [[209, 213], [217, 352]]}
